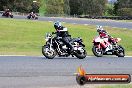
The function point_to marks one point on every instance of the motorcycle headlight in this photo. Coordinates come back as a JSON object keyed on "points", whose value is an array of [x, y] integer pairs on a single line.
{"points": [[46, 39], [48, 36]]}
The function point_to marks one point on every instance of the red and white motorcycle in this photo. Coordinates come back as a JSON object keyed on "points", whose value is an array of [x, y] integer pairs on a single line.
{"points": [[7, 14], [104, 46]]}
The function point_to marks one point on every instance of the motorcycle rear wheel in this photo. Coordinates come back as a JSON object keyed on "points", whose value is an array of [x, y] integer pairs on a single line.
{"points": [[81, 55], [120, 52]]}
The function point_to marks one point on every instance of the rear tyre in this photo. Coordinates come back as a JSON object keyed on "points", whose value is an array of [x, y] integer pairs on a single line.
{"points": [[48, 53], [81, 55], [97, 52], [120, 51]]}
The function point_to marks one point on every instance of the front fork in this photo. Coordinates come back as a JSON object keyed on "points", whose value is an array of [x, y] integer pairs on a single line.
{"points": [[98, 46], [50, 44]]}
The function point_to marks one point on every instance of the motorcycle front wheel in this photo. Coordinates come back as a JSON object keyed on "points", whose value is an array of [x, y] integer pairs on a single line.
{"points": [[11, 16], [47, 52], [36, 18], [97, 52], [28, 17]]}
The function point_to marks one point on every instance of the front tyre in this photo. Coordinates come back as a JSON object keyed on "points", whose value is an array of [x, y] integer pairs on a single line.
{"points": [[36, 18], [11, 16], [97, 52], [3, 14], [28, 17], [47, 52], [120, 51]]}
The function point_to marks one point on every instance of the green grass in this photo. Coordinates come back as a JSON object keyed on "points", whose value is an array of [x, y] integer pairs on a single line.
{"points": [[27, 36], [117, 86], [125, 20]]}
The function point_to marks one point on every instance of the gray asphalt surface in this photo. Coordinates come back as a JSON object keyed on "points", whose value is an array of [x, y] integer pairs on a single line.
{"points": [[89, 21], [39, 72], [110, 23]]}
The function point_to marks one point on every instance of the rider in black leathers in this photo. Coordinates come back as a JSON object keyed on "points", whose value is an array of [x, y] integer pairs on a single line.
{"points": [[62, 32]]}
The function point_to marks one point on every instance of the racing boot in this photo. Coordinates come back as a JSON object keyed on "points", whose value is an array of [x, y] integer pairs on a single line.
{"points": [[109, 47]]}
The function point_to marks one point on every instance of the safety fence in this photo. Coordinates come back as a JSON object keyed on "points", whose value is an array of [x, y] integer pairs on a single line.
{"points": [[108, 17]]}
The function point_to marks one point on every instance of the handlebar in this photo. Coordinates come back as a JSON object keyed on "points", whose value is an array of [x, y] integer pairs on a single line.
{"points": [[53, 32]]}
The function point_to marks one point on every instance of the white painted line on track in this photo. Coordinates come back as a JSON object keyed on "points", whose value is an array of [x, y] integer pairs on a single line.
{"points": [[128, 56], [50, 21], [75, 73], [115, 27], [12, 55], [56, 56], [86, 24], [92, 56], [74, 23]]}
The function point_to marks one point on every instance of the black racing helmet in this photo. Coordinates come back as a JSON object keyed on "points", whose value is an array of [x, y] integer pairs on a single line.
{"points": [[57, 25]]}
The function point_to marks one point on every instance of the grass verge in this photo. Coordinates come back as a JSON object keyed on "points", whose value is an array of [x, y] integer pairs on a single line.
{"points": [[117, 86], [125, 20], [26, 37]]}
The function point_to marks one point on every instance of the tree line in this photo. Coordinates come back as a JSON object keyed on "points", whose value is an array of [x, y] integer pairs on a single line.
{"points": [[77, 7], [70, 7], [20, 5], [123, 8]]}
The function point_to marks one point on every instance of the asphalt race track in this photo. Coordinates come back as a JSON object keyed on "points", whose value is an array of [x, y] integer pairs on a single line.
{"points": [[109, 23], [39, 72], [121, 24]]}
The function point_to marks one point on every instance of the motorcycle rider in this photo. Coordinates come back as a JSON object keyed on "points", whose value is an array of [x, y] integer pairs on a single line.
{"points": [[103, 34], [7, 11], [61, 31], [31, 14]]}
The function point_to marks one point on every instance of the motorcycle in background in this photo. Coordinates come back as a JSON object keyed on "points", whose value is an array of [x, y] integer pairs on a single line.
{"points": [[113, 49], [54, 46], [32, 16], [7, 14]]}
